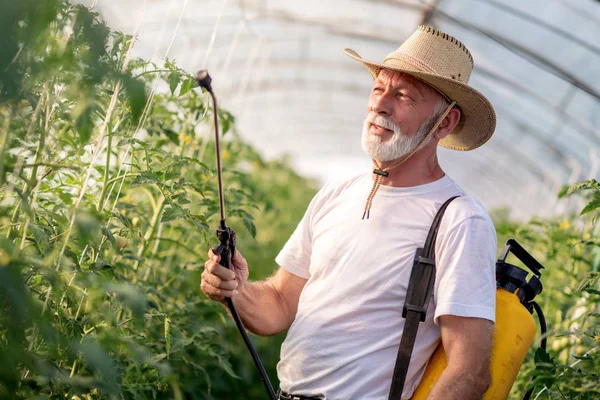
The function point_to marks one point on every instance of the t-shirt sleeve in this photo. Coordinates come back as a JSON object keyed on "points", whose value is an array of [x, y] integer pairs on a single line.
{"points": [[295, 254], [466, 262]]}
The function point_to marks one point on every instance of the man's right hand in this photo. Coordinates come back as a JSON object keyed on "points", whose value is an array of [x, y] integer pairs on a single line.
{"points": [[219, 282]]}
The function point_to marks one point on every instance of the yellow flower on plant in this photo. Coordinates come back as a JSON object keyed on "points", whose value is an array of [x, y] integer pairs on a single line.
{"points": [[564, 225], [187, 139]]}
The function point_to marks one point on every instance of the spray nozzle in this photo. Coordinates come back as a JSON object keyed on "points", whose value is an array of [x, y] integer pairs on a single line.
{"points": [[204, 80]]}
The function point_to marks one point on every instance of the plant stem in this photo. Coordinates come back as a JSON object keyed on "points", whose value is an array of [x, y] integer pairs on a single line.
{"points": [[561, 393], [52, 165], [118, 178], [151, 72], [3, 141], [151, 231], [32, 181], [178, 243], [73, 369], [85, 182], [106, 171], [80, 303]]}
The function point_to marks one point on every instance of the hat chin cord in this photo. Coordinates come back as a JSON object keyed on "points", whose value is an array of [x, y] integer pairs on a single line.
{"points": [[381, 173]]}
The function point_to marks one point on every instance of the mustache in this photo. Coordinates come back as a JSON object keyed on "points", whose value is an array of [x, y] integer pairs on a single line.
{"points": [[383, 122]]}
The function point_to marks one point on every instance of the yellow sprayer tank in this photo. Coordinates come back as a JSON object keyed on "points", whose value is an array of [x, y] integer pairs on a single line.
{"points": [[513, 333]]}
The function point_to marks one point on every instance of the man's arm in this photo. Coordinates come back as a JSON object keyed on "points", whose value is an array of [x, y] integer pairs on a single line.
{"points": [[468, 346], [269, 307], [266, 307]]}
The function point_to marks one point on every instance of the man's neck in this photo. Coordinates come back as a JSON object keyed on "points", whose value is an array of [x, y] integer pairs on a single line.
{"points": [[421, 168]]}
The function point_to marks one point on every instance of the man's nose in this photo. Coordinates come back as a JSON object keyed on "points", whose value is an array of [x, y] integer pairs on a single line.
{"points": [[381, 104]]}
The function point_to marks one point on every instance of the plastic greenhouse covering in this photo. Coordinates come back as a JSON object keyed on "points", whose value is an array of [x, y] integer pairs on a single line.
{"points": [[278, 67]]}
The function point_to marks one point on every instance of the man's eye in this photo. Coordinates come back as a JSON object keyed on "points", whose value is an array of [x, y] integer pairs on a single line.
{"points": [[377, 89]]}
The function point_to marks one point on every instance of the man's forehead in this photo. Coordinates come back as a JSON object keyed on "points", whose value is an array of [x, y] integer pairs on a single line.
{"points": [[397, 77]]}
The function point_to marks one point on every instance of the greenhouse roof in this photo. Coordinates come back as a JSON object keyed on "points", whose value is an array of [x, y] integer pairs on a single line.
{"points": [[279, 68]]}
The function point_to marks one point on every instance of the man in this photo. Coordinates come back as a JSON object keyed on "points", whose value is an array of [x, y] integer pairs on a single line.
{"points": [[342, 279]]}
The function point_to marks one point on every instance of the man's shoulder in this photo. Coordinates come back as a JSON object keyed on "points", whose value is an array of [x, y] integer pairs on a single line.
{"points": [[464, 208], [467, 205], [335, 187]]}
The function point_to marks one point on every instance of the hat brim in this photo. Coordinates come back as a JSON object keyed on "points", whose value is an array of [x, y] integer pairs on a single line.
{"points": [[478, 118]]}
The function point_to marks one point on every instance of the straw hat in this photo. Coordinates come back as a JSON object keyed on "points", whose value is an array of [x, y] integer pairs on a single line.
{"points": [[444, 63]]}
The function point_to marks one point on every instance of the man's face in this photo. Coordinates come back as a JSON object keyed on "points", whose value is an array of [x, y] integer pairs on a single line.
{"points": [[399, 115]]}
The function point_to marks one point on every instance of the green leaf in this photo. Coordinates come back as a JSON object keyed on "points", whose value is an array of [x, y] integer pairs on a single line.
{"points": [[133, 141], [227, 120], [249, 224], [170, 214], [181, 199], [590, 282], [99, 360], [111, 238], [186, 86], [198, 162], [200, 222], [101, 266], [144, 178], [577, 187], [173, 79], [123, 219], [171, 135], [545, 368], [170, 175], [136, 93], [130, 296], [88, 226], [582, 358], [84, 123], [542, 357], [591, 206], [40, 235]]}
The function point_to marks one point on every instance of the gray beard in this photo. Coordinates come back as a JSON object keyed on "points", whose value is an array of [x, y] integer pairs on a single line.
{"points": [[396, 147]]}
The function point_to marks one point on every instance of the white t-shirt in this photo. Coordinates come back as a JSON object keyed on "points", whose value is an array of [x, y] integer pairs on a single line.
{"points": [[344, 340]]}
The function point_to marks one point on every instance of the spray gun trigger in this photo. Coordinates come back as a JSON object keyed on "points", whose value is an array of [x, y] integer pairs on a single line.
{"points": [[219, 249]]}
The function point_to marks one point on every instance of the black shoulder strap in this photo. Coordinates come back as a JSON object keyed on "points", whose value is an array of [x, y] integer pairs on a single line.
{"points": [[420, 288]]}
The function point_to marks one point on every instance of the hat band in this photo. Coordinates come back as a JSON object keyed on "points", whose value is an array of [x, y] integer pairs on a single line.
{"points": [[414, 62]]}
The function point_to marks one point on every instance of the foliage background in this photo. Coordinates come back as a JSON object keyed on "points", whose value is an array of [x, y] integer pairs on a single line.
{"points": [[107, 209]]}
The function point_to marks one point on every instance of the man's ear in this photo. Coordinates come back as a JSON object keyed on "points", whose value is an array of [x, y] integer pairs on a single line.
{"points": [[448, 124]]}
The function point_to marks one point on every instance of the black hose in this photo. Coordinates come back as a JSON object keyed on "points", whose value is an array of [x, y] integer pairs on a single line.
{"points": [[227, 242], [542, 319], [257, 362], [540, 313]]}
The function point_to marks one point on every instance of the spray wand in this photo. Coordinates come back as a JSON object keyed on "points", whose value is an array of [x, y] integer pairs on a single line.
{"points": [[226, 236]]}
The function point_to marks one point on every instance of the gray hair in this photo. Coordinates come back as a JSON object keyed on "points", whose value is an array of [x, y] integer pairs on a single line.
{"points": [[428, 124]]}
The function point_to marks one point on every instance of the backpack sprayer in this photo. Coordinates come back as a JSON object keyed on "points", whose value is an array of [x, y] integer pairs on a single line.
{"points": [[226, 236], [514, 330]]}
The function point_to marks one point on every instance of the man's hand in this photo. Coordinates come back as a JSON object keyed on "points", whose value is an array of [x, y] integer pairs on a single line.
{"points": [[266, 307], [468, 346], [219, 282]]}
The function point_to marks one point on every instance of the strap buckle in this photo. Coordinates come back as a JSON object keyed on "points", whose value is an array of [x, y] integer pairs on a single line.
{"points": [[420, 286]]}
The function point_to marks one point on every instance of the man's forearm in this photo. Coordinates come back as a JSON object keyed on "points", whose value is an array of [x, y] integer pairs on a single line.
{"points": [[460, 384], [261, 309]]}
